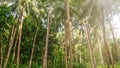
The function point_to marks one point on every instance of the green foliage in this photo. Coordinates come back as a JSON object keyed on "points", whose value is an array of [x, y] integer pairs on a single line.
{"points": [[6, 20], [36, 65], [11, 65], [29, 28], [79, 65]]}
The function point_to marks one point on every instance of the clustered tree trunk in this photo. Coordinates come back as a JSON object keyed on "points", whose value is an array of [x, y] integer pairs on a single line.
{"points": [[115, 43], [108, 54], [14, 49], [20, 35], [93, 64], [100, 52], [10, 45]]}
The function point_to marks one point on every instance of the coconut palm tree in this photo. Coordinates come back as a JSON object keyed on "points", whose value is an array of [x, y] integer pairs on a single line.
{"points": [[47, 38], [30, 63], [69, 31], [20, 9], [10, 46], [106, 46]]}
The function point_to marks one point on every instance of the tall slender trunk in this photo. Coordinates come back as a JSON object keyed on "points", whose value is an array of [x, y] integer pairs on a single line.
{"points": [[93, 64], [100, 52], [14, 49], [114, 39], [80, 56], [20, 35], [30, 63], [113, 36], [46, 45], [85, 57], [66, 46], [10, 46], [62, 56], [106, 52], [106, 46], [69, 32], [98, 35], [107, 49], [1, 57], [76, 58], [1, 52]]}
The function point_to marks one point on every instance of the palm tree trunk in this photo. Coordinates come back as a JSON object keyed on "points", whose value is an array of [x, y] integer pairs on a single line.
{"points": [[46, 46], [109, 21], [106, 52], [100, 52], [1, 53], [1, 57], [93, 64], [20, 35], [66, 45], [85, 56], [80, 56], [14, 49], [30, 63], [115, 43], [106, 47], [63, 49], [10, 46], [69, 32]]}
